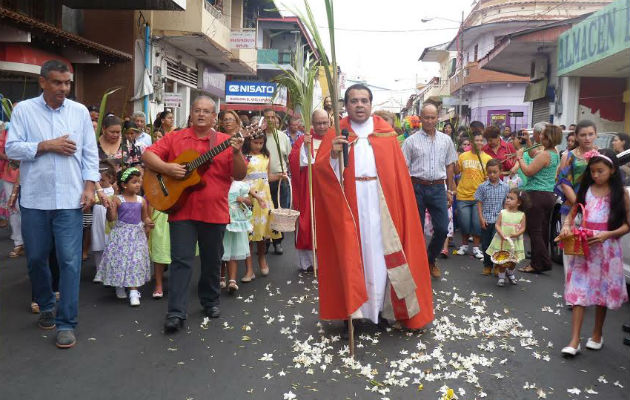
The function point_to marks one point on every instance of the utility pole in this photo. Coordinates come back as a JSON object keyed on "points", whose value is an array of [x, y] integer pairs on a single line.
{"points": [[461, 72]]}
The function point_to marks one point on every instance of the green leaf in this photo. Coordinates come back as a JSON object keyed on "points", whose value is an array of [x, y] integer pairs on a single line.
{"points": [[101, 110]]}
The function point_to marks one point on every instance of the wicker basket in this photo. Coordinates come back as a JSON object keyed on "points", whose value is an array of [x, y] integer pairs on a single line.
{"points": [[504, 258], [284, 219], [574, 245]]}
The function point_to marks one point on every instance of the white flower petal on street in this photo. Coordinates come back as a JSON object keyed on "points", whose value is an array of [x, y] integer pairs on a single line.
{"points": [[574, 390], [289, 396]]}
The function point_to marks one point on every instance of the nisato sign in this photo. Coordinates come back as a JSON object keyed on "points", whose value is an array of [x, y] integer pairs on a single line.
{"points": [[601, 35], [253, 92]]}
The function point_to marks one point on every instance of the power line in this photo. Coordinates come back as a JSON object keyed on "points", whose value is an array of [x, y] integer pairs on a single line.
{"points": [[389, 30]]}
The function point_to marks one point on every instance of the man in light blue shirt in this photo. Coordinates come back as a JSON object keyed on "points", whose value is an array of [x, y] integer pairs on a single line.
{"points": [[54, 140]]}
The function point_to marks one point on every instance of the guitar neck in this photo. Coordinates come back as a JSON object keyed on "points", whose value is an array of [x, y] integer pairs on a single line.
{"points": [[208, 156]]}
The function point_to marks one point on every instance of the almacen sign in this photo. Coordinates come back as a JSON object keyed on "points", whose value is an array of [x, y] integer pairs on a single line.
{"points": [[601, 35]]}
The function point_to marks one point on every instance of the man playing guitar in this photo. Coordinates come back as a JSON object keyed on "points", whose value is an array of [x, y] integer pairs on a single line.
{"points": [[204, 215]]}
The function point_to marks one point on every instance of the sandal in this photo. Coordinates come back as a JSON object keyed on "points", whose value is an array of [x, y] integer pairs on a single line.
{"points": [[17, 251], [264, 271], [528, 269], [232, 286], [158, 294], [222, 282]]}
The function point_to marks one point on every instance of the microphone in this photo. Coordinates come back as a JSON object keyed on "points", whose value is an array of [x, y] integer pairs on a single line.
{"points": [[345, 134]]}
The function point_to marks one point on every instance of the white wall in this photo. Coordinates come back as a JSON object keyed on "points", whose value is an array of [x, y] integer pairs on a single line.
{"points": [[498, 95]]}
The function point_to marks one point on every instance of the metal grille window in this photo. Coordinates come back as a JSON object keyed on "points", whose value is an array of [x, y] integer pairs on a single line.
{"points": [[182, 73]]}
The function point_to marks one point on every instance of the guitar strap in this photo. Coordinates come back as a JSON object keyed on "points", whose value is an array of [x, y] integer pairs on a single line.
{"points": [[212, 140]]}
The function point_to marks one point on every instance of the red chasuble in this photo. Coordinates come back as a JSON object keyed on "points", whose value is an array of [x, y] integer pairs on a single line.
{"points": [[341, 280]]}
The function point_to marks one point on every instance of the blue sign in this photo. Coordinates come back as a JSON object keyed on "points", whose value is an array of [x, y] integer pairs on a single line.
{"points": [[249, 92]]}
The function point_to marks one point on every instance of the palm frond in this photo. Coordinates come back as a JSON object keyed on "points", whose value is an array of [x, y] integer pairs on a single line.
{"points": [[101, 110], [7, 106]]}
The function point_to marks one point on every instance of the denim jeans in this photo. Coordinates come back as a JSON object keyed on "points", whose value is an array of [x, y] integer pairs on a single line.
{"points": [[63, 229], [486, 237], [433, 198], [285, 199], [184, 237], [468, 217]]}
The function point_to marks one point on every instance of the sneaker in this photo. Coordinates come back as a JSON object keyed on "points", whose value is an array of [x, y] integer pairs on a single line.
{"points": [[46, 320], [501, 282], [463, 250], [65, 339], [512, 279], [97, 279], [487, 271], [134, 298], [477, 253], [121, 293]]}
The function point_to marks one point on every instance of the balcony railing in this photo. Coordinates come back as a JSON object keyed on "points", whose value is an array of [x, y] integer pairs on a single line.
{"points": [[216, 12], [274, 56]]}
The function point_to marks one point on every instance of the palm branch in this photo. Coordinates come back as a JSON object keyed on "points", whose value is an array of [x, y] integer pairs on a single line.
{"points": [[101, 110]]}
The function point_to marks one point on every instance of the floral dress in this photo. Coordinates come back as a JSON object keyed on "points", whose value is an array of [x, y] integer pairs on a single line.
{"points": [[125, 260], [597, 280], [510, 223], [235, 240], [258, 180]]}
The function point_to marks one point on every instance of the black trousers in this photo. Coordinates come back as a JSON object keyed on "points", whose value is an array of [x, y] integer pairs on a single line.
{"points": [[184, 237], [486, 238]]}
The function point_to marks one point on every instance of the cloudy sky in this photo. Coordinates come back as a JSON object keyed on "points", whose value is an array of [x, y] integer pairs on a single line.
{"points": [[380, 41]]}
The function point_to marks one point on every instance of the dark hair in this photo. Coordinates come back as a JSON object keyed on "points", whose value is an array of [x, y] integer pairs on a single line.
{"points": [[563, 127], [585, 123], [521, 195], [107, 168], [477, 125], [131, 174], [110, 120], [157, 124], [618, 213], [449, 124], [491, 132], [247, 145], [53, 65], [494, 163], [626, 140], [356, 86], [93, 108], [127, 125]]}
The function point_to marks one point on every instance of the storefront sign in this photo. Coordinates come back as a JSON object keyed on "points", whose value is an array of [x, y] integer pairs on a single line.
{"points": [[601, 35], [171, 99], [245, 39], [253, 93], [213, 82]]}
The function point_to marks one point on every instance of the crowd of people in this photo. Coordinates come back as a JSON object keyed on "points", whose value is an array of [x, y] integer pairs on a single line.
{"points": [[68, 195]]}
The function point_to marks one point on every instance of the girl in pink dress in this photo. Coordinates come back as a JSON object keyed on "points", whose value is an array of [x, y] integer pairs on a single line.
{"points": [[596, 278]]}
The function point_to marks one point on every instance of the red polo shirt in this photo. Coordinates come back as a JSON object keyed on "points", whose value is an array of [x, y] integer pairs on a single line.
{"points": [[208, 203], [501, 154]]}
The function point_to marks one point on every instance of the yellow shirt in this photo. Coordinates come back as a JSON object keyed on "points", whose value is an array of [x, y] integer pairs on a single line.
{"points": [[471, 174]]}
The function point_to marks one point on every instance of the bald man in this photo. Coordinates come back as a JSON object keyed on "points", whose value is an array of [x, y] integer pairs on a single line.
{"points": [[298, 163], [204, 215], [431, 157]]}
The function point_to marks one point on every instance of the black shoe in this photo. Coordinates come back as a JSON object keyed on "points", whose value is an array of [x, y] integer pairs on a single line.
{"points": [[626, 327], [626, 341], [383, 324], [46, 320], [173, 324], [345, 335], [212, 312], [310, 269], [277, 249]]}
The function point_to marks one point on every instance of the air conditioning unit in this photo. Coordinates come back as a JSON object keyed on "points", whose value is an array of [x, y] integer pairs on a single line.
{"points": [[541, 64]]}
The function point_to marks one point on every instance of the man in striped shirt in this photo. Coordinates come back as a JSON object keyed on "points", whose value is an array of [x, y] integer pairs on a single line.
{"points": [[431, 156]]}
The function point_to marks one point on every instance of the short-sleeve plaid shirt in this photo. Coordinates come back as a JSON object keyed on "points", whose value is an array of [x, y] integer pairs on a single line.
{"points": [[491, 198]]}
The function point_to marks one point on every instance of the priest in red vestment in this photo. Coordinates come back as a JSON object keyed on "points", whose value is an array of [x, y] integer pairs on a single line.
{"points": [[370, 246], [298, 164]]}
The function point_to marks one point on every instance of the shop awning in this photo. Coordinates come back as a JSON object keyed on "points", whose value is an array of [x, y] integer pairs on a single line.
{"points": [[514, 53], [20, 58], [168, 5], [47, 32], [599, 46]]}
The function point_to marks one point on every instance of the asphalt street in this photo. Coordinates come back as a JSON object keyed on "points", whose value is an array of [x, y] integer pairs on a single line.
{"points": [[486, 342]]}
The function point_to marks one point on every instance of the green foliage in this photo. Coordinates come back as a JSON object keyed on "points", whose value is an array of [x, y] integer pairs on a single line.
{"points": [[7, 106], [101, 110]]}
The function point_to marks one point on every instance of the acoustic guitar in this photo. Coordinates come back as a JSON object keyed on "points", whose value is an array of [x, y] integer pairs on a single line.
{"points": [[168, 194]]}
